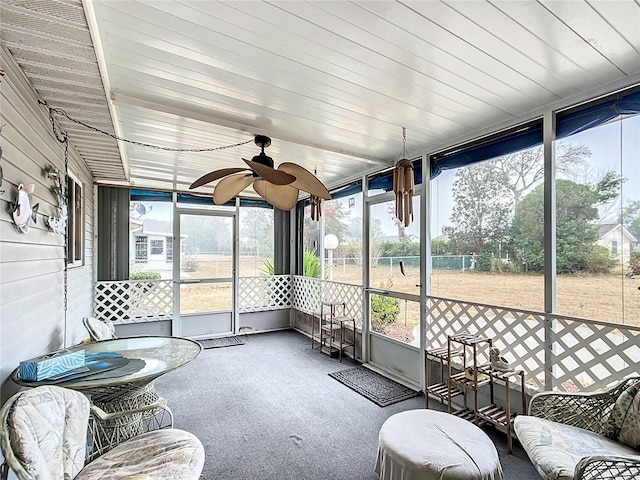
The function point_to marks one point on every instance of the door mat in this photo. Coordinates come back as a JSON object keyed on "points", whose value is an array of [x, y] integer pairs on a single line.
{"points": [[221, 342], [379, 389]]}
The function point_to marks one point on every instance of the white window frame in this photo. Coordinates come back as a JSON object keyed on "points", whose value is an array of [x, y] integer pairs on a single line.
{"points": [[75, 258]]}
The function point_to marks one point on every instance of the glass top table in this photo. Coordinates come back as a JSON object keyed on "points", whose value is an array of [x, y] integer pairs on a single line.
{"points": [[129, 386], [159, 354]]}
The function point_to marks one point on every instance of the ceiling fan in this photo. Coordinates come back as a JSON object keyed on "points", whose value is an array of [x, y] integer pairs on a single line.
{"points": [[280, 187]]}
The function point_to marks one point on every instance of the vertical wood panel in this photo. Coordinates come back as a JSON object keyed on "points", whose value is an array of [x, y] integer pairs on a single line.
{"points": [[33, 319]]}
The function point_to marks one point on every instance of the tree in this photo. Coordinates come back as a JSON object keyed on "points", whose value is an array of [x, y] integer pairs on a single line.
{"points": [[524, 169], [336, 218], [481, 211], [576, 233], [440, 247], [631, 218], [391, 210], [486, 195], [205, 234], [256, 230]]}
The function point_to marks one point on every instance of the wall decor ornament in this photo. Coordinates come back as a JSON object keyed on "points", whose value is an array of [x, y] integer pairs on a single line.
{"points": [[58, 224], [22, 211]]}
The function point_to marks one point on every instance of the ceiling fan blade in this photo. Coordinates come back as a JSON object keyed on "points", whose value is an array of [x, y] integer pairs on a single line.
{"points": [[283, 197], [215, 175], [305, 180], [229, 187], [271, 175]]}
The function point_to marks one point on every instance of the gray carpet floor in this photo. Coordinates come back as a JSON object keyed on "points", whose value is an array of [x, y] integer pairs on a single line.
{"points": [[269, 410]]}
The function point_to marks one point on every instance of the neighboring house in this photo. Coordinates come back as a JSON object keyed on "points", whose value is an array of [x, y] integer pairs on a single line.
{"points": [[618, 240], [152, 244]]}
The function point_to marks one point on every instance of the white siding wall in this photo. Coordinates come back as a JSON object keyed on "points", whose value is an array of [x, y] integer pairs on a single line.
{"points": [[33, 320]]}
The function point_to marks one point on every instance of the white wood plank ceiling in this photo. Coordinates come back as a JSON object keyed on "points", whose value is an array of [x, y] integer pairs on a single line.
{"points": [[332, 83]]}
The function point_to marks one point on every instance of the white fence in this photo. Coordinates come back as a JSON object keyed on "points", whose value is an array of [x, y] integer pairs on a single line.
{"points": [[555, 351], [438, 262]]}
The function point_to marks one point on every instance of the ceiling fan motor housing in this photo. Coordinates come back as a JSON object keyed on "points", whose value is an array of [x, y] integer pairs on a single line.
{"points": [[263, 142]]}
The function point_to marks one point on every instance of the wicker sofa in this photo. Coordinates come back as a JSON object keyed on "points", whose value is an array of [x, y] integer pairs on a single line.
{"points": [[578, 436]]}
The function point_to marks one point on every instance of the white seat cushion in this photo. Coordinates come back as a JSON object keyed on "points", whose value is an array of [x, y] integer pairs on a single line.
{"points": [[431, 445], [48, 428], [555, 448], [161, 454]]}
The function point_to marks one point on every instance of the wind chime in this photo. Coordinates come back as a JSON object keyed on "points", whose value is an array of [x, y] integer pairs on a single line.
{"points": [[404, 184], [315, 203]]}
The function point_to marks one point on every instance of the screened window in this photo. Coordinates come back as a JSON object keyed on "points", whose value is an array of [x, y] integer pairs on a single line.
{"points": [[157, 247], [141, 250], [598, 224], [343, 218], [169, 243], [256, 241], [75, 222], [487, 231]]}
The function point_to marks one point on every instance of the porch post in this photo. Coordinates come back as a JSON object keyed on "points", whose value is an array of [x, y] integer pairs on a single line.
{"points": [[366, 282], [549, 136], [425, 261]]}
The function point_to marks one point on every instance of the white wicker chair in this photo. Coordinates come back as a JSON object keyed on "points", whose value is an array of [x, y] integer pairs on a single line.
{"points": [[98, 329], [43, 434], [564, 435]]}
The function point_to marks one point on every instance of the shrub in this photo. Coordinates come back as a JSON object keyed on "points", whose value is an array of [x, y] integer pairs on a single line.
{"points": [[485, 262], [599, 260], [311, 264], [145, 276], [189, 264], [384, 310], [634, 264], [269, 269]]}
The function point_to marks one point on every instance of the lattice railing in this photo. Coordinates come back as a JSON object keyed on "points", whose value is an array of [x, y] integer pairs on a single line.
{"points": [[555, 351], [309, 292], [133, 300], [258, 294]]}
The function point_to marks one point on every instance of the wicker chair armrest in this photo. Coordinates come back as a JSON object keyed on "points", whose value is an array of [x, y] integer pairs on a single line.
{"points": [[10, 460], [598, 467], [585, 410], [103, 416]]}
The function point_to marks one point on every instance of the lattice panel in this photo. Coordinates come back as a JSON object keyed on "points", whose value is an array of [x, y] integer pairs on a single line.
{"points": [[133, 301], [518, 334], [259, 294], [589, 355], [308, 293], [583, 354]]}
